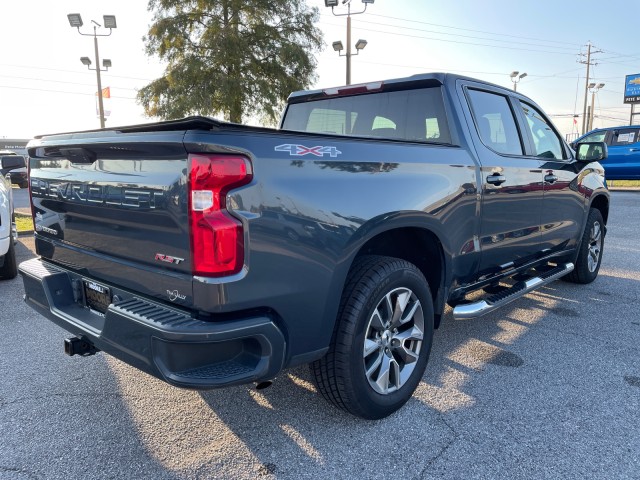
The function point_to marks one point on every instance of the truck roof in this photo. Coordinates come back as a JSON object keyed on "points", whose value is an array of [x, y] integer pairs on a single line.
{"points": [[418, 80]]}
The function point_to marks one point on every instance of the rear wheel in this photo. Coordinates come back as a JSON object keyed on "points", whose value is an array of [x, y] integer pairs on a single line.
{"points": [[382, 339], [9, 268], [590, 254]]}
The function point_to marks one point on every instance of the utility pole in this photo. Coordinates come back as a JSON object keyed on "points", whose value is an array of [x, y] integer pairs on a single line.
{"points": [[586, 87]]}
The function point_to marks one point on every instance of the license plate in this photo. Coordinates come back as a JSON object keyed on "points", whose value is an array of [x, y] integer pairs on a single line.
{"points": [[98, 297]]}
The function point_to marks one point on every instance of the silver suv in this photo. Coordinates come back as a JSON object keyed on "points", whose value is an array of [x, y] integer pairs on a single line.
{"points": [[8, 231]]}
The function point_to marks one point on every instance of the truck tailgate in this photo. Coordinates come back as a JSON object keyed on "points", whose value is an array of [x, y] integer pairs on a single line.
{"points": [[116, 204]]}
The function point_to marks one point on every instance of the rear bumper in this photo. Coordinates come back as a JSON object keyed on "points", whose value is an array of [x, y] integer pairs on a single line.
{"points": [[164, 342]]}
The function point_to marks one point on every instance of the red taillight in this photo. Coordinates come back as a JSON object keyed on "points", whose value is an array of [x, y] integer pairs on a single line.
{"points": [[217, 238]]}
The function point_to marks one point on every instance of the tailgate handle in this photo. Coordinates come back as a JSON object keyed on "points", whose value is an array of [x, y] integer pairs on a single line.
{"points": [[550, 178], [79, 154]]}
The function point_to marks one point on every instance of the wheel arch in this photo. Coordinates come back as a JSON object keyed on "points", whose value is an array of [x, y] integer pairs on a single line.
{"points": [[412, 236], [601, 202], [403, 243]]}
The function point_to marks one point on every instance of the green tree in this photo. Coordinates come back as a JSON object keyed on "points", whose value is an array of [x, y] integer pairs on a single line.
{"points": [[234, 57]]}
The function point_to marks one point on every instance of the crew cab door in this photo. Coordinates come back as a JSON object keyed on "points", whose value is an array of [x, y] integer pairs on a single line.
{"points": [[623, 161], [511, 183], [564, 201]]}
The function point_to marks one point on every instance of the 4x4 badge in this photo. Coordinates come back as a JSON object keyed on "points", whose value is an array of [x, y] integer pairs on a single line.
{"points": [[301, 150]]}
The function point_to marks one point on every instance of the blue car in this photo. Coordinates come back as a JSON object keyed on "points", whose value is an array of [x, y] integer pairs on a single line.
{"points": [[623, 161]]}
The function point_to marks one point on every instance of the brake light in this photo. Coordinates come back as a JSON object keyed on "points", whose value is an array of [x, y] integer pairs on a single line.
{"points": [[354, 89], [217, 238]]}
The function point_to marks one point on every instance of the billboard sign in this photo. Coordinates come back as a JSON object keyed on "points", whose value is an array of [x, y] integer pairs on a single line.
{"points": [[632, 88]]}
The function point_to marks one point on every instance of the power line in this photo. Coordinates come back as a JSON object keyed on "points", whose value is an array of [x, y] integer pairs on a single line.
{"points": [[71, 71], [61, 81], [467, 29], [459, 42], [545, 40], [565, 45], [463, 36], [61, 91]]}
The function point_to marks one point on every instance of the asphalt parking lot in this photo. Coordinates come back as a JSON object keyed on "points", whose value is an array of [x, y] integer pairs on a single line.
{"points": [[547, 387]]}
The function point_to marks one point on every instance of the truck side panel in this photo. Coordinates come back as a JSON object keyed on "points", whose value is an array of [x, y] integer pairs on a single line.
{"points": [[306, 218]]}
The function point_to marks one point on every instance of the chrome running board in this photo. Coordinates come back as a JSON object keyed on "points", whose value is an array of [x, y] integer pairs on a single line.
{"points": [[489, 303]]}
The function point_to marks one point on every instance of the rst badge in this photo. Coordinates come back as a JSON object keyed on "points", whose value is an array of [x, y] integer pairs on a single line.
{"points": [[301, 150], [168, 258]]}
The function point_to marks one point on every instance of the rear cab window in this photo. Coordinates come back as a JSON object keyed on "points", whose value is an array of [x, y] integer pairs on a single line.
{"points": [[416, 115]]}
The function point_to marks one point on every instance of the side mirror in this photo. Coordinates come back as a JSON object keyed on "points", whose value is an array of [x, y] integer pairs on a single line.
{"points": [[11, 162], [591, 151]]}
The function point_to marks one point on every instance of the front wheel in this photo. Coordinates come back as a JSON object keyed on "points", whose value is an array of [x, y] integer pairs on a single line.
{"points": [[382, 339], [590, 253]]}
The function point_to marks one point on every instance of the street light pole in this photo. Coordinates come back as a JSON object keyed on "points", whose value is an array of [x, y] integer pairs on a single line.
{"points": [[349, 45], [593, 88], [338, 45], [515, 78], [100, 102], [75, 20]]}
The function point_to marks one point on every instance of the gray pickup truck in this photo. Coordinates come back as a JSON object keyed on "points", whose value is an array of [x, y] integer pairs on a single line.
{"points": [[210, 254]]}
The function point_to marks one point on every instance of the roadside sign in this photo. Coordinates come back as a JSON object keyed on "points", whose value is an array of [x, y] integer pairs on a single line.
{"points": [[632, 88]]}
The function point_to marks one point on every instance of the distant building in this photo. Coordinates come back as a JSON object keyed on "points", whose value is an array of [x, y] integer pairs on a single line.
{"points": [[14, 145]]}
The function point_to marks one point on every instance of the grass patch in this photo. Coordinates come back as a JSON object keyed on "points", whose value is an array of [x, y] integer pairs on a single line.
{"points": [[623, 183], [24, 223]]}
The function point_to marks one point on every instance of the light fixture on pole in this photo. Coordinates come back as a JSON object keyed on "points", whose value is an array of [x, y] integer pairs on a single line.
{"points": [[593, 88], [516, 77], [360, 44], [109, 21]]}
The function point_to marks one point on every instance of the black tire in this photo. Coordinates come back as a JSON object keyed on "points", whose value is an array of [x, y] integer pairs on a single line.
{"points": [[346, 375], [9, 268], [589, 256]]}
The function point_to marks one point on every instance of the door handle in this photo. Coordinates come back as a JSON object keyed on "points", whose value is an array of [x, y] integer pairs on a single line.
{"points": [[496, 179], [634, 149], [550, 178]]}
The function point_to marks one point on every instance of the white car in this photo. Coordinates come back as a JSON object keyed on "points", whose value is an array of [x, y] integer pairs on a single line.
{"points": [[8, 231]]}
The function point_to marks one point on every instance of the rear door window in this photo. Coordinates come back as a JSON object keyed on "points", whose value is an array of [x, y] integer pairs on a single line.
{"points": [[495, 122], [624, 136]]}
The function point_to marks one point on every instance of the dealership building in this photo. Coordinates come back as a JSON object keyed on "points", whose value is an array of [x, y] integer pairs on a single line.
{"points": [[14, 145]]}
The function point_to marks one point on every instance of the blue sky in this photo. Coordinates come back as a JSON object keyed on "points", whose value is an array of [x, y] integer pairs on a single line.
{"points": [[44, 87]]}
